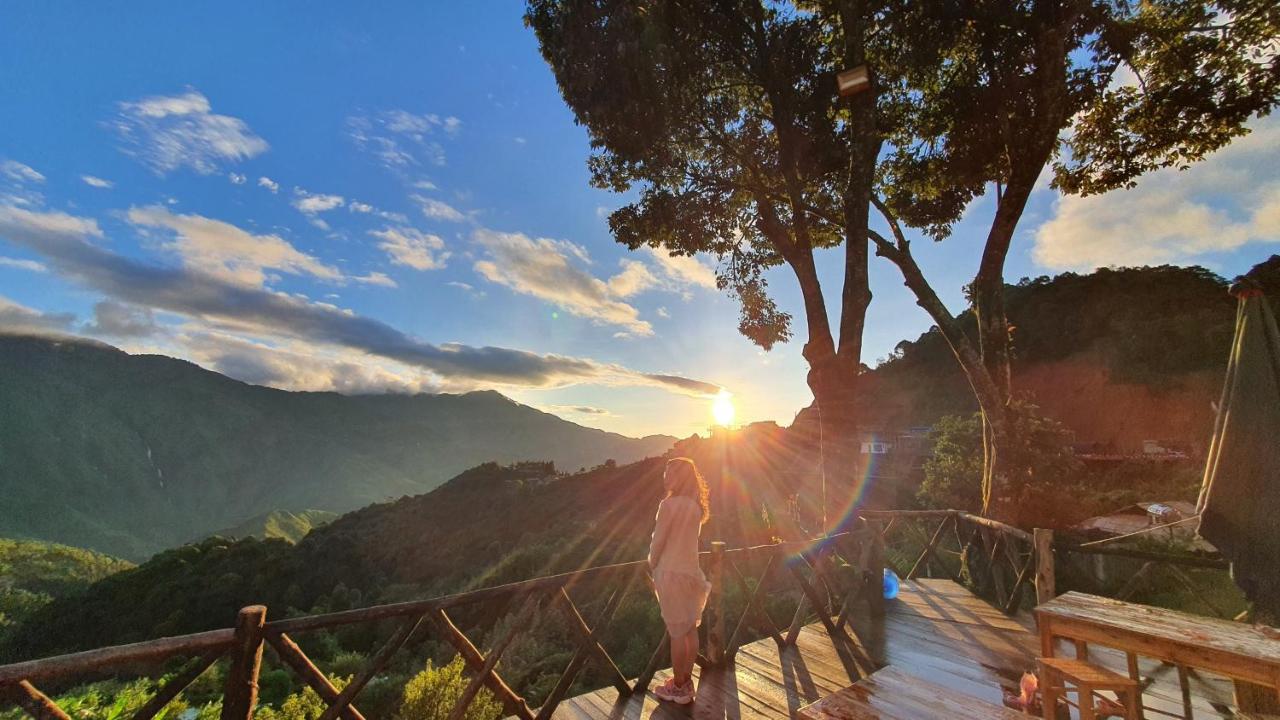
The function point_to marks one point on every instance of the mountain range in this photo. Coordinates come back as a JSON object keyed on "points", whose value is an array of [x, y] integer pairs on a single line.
{"points": [[1148, 347], [130, 454]]}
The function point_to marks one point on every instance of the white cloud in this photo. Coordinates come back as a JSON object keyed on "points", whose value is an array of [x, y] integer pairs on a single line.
{"points": [[1219, 205], [467, 288], [401, 139], [65, 242], [425, 185], [376, 278], [168, 133], [634, 278], [97, 182], [269, 184], [288, 364], [684, 270], [18, 318], [118, 320], [578, 410], [19, 172], [664, 313], [224, 251], [356, 206], [412, 248], [520, 141], [540, 268], [438, 210], [312, 203], [30, 265], [237, 178]]}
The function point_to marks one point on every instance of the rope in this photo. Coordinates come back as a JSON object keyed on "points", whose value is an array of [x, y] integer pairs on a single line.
{"points": [[822, 465], [1143, 531]]}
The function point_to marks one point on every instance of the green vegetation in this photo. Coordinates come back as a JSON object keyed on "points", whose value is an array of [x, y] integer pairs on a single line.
{"points": [[1040, 455], [280, 525], [431, 694], [33, 573], [1125, 319], [499, 523], [131, 454]]}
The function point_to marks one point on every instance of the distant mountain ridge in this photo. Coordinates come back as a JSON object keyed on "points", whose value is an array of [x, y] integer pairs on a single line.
{"points": [[130, 454], [279, 524]]}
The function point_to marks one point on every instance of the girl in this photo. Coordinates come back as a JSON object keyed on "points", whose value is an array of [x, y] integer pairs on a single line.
{"points": [[677, 578]]}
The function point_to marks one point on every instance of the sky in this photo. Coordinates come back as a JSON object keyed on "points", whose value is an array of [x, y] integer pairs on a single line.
{"points": [[397, 200]]}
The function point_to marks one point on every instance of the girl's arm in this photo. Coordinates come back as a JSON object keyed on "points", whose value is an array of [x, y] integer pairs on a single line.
{"points": [[661, 530]]}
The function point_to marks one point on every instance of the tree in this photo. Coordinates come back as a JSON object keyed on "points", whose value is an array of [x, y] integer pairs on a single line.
{"points": [[432, 693], [1002, 97], [1039, 454], [721, 114]]}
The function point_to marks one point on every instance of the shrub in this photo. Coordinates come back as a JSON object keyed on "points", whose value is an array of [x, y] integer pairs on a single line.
{"points": [[431, 695]]}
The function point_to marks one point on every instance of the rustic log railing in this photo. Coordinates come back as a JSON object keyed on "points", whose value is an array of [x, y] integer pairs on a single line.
{"points": [[997, 561], [836, 579], [1179, 567], [836, 596], [1000, 562]]}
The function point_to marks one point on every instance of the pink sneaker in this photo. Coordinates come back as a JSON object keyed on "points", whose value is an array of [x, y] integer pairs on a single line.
{"points": [[667, 690], [682, 694]]}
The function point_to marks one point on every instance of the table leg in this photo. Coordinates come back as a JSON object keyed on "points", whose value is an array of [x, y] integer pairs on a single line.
{"points": [[1084, 695], [1046, 638], [1133, 704], [1048, 694]]}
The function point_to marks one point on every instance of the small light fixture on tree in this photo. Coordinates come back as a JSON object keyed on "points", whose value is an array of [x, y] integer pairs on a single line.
{"points": [[854, 81]]}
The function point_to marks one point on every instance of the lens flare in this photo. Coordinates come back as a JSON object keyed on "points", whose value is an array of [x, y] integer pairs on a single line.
{"points": [[722, 409]]}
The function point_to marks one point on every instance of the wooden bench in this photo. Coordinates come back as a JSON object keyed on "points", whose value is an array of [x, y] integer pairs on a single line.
{"points": [[890, 694], [1086, 679]]}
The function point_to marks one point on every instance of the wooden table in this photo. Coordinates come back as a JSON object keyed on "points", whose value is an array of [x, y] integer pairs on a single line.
{"points": [[1236, 650], [890, 694]]}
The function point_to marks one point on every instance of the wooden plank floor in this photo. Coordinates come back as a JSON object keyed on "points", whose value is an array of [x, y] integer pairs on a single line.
{"points": [[936, 629]]}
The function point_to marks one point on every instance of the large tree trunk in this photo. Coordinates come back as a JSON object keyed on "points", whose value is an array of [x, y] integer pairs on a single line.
{"points": [[864, 149], [830, 379], [835, 400]]}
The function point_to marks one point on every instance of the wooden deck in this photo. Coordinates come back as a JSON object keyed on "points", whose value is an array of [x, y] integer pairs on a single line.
{"points": [[936, 629]]}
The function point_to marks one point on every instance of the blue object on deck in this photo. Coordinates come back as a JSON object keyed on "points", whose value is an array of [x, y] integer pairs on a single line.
{"points": [[891, 584]]}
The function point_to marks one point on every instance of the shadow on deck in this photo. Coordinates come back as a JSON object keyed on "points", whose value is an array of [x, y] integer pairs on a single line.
{"points": [[935, 630]]}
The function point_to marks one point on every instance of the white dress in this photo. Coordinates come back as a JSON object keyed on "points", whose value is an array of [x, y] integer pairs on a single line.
{"points": [[673, 553]]}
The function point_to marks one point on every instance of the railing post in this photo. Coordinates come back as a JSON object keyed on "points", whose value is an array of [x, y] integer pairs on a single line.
{"points": [[874, 574], [715, 603], [241, 694], [1046, 581]]}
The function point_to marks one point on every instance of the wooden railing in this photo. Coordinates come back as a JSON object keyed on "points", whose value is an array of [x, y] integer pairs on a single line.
{"points": [[997, 561], [835, 579], [1178, 570], [838, 578], [1002, 563]]}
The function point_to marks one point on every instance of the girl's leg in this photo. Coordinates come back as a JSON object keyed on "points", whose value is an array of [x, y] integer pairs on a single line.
{"points": [[683, 668], [678, 649]]}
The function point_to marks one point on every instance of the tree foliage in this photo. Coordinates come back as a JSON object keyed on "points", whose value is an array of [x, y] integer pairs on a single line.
{"points": [[432, 693], [1040, 454]]}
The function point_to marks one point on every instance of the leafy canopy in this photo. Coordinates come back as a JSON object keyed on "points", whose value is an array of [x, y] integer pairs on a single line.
{"points": [[722, 115], [1104, 91]]}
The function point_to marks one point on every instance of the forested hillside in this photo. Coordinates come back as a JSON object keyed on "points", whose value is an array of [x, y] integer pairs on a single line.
{"points": [[1118, 356], [495, 523], [279, 525], [130, 454], [33, 573]]}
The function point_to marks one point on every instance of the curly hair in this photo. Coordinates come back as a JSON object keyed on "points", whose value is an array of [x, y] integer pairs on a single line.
{"points": [[690, 483]]}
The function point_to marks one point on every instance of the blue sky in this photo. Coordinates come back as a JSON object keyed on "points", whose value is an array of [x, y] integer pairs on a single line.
{"points": [[336, 198]]}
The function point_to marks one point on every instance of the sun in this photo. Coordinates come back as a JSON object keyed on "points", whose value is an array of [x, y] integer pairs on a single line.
{"points": [[722, 408]]}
